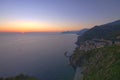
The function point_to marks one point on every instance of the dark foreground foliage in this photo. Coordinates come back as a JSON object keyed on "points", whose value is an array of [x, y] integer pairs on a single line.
{"points": [[19, 77]]}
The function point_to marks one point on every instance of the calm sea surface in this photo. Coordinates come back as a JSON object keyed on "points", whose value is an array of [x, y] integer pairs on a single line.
{"points": [[40, 55]]}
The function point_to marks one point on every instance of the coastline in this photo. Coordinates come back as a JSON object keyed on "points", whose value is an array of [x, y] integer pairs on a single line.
{"points": [[95, 63], [98, 64], [78, 74], [78, 69]]}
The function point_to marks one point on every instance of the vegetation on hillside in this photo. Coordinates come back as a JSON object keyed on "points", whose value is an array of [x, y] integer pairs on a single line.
{"points": [[98, 64]]}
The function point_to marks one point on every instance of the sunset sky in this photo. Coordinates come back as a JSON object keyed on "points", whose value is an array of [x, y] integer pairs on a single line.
{"points": [[56, 15]]}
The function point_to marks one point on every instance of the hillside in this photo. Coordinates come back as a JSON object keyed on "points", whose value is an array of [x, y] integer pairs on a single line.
{"points": [[107, 31], [98, 64], [98, 53], [80, 32]]}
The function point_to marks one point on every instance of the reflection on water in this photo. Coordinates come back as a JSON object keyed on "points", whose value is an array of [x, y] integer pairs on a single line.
{"points": [[39, 55]]}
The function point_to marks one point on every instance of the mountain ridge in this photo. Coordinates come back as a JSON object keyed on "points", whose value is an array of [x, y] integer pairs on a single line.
{"points": [[105, 31], [78, 32]]}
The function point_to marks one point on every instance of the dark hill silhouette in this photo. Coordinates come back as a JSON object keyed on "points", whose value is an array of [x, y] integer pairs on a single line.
{"points": [[80, 32], [106, 31]]}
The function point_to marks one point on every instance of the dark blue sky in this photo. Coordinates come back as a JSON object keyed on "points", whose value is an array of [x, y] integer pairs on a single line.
{"points": [[67, 14]]}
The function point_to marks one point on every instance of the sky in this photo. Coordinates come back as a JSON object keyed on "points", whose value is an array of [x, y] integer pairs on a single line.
{"points": [[56, 15]]}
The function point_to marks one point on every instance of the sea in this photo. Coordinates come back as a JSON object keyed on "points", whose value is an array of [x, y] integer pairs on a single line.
{"points": [[37, 54]]}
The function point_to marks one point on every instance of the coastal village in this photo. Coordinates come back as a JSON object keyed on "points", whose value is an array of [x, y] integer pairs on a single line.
{"points": [[98, 43]]}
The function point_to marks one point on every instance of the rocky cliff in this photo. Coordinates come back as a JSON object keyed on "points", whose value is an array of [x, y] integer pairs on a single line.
{"points": [[98, 64], [98, 54]]}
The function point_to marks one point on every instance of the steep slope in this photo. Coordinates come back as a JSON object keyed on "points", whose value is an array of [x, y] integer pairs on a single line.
{"points": [[102, 63], [81, 32], [99, 64], [106, 31]]}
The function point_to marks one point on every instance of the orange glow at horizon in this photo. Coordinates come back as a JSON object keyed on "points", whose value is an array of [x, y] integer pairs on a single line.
{"points": [[30, 26]]}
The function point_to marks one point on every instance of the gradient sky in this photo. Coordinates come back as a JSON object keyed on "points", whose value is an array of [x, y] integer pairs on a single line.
{"points": [[56, 15]]}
